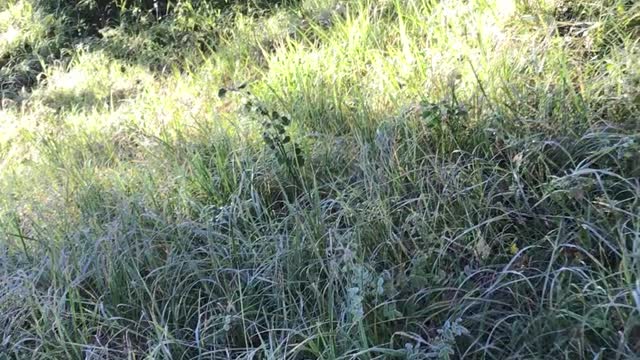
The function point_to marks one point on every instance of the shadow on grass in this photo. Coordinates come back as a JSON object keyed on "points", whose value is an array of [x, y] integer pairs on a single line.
{"points": [[156, 35]]}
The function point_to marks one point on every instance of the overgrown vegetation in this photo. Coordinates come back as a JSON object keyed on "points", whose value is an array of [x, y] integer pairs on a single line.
{"points": [[407, 179]]}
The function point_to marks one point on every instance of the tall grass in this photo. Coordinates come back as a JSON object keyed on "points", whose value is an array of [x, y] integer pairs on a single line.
{"points": [[466, 183]]}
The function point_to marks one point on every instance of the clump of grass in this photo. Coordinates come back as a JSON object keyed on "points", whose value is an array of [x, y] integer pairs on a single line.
{"points": [[451, 180], [25, 45]]}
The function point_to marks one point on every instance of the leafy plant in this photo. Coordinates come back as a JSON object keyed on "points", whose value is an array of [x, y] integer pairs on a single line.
{"points": [[448, 121], [275, 131]]}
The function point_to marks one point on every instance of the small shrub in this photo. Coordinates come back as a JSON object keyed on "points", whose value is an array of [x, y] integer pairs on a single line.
{"points": [[275, 133]]}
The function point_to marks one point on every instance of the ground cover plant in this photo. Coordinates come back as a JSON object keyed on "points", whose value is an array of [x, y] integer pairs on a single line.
{"points": [[320, 179]]}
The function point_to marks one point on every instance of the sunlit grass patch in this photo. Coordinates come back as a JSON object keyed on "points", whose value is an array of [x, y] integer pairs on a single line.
{"points": [[17, 25], [29, 37], [92, 80]]}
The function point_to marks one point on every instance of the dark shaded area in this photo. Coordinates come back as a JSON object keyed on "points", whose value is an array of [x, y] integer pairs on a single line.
{"points": [[168, 27], [89, 17]]}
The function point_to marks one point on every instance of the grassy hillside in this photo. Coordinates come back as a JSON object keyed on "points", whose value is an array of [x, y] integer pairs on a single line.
{"points": [[320, 179]]}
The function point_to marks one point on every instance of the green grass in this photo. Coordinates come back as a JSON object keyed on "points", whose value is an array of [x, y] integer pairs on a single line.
{"points": [[466, 183]]}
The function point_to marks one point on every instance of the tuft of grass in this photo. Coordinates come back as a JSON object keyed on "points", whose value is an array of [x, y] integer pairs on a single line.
{"points": [[320, 179]]}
